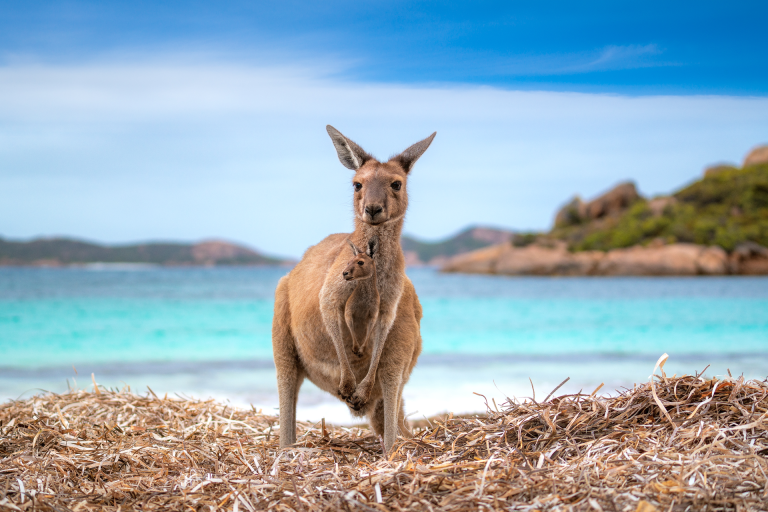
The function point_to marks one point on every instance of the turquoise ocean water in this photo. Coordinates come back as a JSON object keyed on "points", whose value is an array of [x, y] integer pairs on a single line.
{"points": [[205, 332]]}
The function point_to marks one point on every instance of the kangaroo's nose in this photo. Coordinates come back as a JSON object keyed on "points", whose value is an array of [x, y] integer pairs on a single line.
{"points": [[373, 210], [345, 273]]}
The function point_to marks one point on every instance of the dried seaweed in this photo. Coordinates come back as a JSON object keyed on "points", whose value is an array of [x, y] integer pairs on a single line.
{"points": [[115, 450]]}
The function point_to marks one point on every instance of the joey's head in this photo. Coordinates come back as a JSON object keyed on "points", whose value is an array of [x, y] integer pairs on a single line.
{"points": [[380, 191], [361, 266]]}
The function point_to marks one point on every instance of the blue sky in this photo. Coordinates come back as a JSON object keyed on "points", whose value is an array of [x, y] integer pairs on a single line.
{"points": [[627, 47], [126, 121]]}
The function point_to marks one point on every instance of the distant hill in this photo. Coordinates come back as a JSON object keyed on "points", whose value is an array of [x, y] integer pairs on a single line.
{"points": [[728, 206], [418, 252], [65, 251]]}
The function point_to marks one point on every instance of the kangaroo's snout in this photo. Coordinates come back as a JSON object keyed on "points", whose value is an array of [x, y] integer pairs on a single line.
{"points": [[373, 210]]}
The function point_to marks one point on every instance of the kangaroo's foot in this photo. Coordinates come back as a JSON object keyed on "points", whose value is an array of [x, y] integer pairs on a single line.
{"points": [[361, 396], [347, 386]]}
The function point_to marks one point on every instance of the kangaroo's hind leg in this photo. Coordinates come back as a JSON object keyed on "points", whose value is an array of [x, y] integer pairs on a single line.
{"points": [[376, 419], [289, 372], [392, 410]]}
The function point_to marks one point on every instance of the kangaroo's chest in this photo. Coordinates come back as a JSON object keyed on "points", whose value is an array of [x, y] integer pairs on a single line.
{"points": [[364, 300], [389, 284]]}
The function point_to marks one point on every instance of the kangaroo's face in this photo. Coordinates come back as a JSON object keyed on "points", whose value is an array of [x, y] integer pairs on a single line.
{"points": [[359, 267], [380, 192], [379, 188]]}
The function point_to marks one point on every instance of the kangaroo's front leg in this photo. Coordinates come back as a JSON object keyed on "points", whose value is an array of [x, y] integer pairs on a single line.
{"points": [[365, 387], [357, 348], [369, 330], [347, 382], [333, 318]]}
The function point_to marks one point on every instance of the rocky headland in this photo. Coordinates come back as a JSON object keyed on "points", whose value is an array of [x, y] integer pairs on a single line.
{"points": [[679, 259], [718, 225]]}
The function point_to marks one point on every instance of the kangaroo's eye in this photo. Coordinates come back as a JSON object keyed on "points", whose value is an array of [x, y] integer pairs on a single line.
{"points": [[360, 263], [396, 185], [358, 186]]}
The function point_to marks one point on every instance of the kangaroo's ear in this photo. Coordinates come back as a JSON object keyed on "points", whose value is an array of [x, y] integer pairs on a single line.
{"points": [[355, 250], [408, 157], [350, 154], [371, 247]]}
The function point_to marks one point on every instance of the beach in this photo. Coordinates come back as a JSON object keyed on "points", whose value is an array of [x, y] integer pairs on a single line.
{"points": [[675, 443]]}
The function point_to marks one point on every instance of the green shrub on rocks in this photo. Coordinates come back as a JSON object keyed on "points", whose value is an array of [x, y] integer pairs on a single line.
{"points": [[724, 208]]}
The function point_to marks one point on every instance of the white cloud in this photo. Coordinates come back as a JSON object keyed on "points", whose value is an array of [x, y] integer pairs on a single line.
{"points": [[125, 151]]}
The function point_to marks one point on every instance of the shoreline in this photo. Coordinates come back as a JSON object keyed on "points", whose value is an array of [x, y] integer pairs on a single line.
{"points": [[253, 382], [554, 259], [99, 265]]}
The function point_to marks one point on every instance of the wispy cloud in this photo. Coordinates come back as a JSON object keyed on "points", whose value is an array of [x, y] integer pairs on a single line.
{"points": [[626, 57], [608, 58]]}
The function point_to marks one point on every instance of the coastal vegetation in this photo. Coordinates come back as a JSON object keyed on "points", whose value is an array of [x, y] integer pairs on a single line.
{"points": [[727, 207], [675, 443]]}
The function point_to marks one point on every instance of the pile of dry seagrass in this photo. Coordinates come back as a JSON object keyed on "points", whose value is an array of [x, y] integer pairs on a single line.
{"points": [[686, 443]]}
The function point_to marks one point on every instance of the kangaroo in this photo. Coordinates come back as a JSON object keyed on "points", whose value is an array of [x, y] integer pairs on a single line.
{"points": [[362, 309], [308, 338]]}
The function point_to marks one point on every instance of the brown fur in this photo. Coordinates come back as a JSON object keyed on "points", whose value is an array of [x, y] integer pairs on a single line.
{"points": [[361, 309], [308, 335]]}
